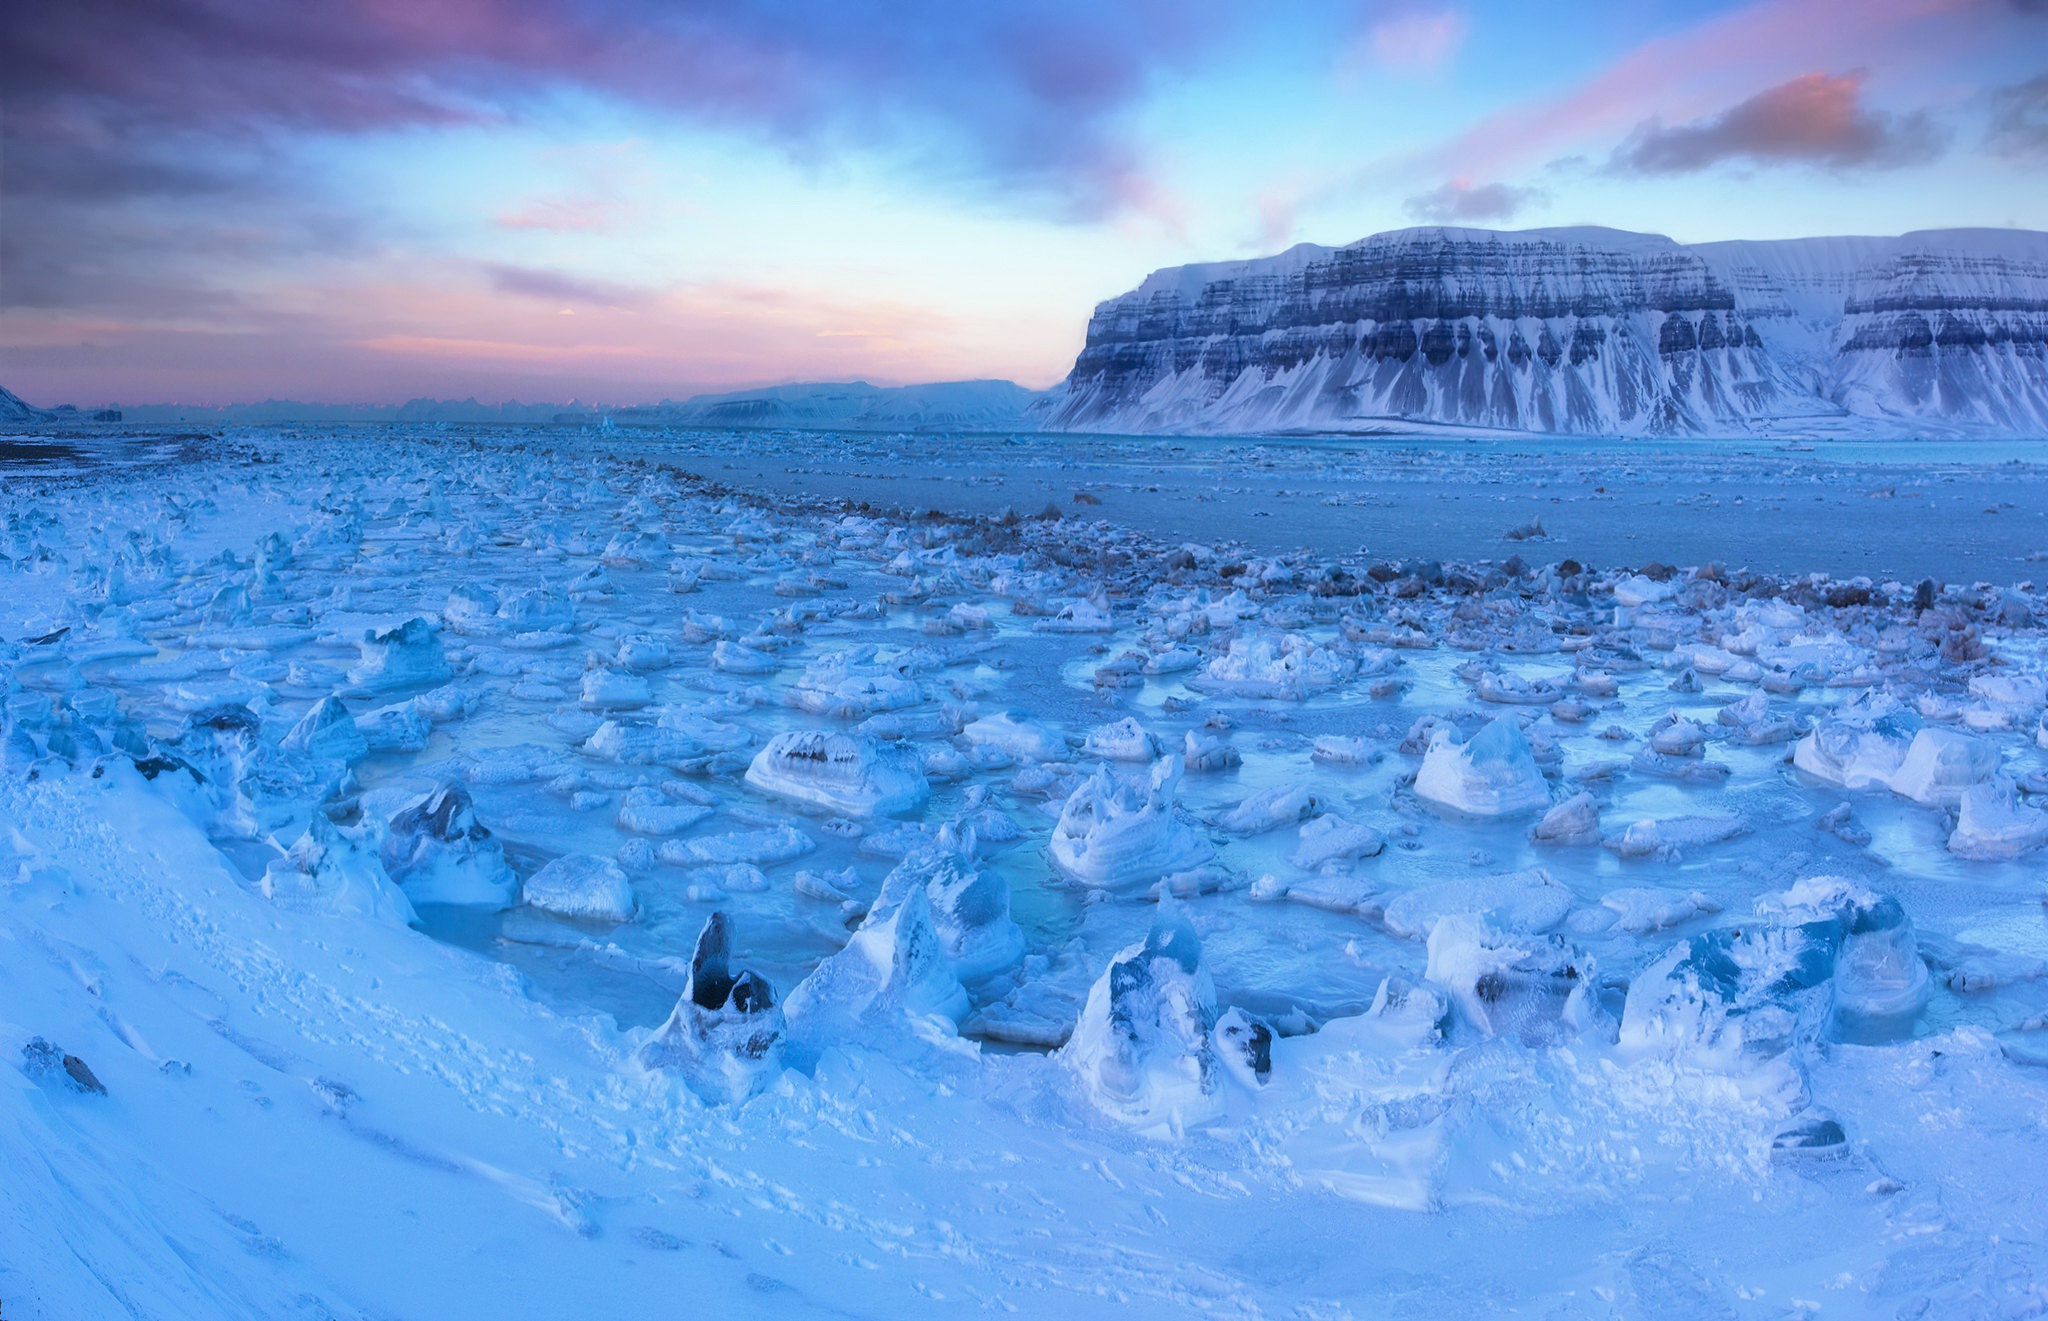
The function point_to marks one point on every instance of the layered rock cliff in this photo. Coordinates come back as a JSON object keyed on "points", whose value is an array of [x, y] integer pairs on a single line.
{"points": [[1581, 331]]}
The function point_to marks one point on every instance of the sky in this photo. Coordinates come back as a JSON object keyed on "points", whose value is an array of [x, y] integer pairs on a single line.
{"points": [[212, 201]]}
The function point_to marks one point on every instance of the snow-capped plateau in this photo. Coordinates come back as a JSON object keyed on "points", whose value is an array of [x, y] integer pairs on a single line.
{"points": [[1581, 331]]}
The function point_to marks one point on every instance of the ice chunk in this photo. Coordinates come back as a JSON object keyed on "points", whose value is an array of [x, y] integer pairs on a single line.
{"points": [[1495, 774], [1880, 983], [1991, 824], [1861, 748], [1503, 983], [327, 733], [1017, 734], [738, 658], [894, 967], [852, 774], [1511, 902], [335, 872], [648, 811], [1940, 764], [1122, 740], [1270, 809], [1289, 666], [1328, 840], [725, 1034], [853, 683], [471, 610], [582, 885], [772, 844], [399, 727], [1143, 1048], [1641, 910], [403, 657], [606, 689], [1576, 820], [1118, 834], [441, 854], [1649, 838], [970, 907]]}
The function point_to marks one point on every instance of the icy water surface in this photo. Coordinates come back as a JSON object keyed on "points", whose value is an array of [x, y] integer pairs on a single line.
{"points": [[1336, 855]]}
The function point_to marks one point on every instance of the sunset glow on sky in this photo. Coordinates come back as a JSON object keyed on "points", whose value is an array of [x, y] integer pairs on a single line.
{"points": [[624, 200]]}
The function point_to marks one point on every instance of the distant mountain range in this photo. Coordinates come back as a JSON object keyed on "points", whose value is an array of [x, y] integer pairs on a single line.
{"points": [[1581, 332], [849, 406]]}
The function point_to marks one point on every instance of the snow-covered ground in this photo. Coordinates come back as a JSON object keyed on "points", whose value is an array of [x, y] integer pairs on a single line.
{"points": [[491, 874]]}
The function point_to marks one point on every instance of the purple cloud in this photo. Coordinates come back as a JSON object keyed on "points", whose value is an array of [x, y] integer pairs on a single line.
{"points": [[106, 105], [2019, 118], [1815, 119], [1459, 202]]}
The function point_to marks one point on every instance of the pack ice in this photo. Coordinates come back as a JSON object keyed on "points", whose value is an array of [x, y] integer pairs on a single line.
{"points": [[510, 877]]}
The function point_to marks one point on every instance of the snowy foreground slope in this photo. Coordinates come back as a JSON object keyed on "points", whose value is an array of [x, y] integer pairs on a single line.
{"points": [[1582, 331], [490, 879]]}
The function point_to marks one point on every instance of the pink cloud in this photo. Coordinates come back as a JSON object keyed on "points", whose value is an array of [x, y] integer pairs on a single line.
{"points": [[1422, 40], [1813, 119], [1704, 68]]}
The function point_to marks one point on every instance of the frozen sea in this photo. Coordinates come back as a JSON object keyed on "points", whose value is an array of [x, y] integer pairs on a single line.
{"points": [[525, 872]]}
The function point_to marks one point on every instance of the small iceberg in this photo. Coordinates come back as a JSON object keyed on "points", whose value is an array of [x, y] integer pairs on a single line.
{"points": [[1495, 774], [1116, 834]]}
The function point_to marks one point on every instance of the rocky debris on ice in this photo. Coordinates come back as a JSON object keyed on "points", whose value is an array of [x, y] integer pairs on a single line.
{"points": [[851, 774], [583, 886], [439, 853], [1121, 834], [725, 1034], [1494, 774]]}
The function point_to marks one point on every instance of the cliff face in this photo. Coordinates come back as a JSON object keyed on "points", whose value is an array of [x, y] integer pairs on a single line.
{"points": [[1579, 331]]}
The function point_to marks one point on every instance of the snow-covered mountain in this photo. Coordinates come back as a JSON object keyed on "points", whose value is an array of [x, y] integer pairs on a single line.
{"points": [[1581, 331], [15, 409], [858, 406]]}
